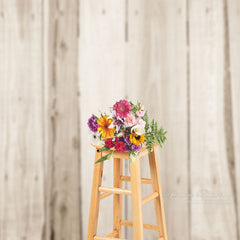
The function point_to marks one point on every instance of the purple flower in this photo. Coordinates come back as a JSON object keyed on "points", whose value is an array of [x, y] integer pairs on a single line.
{"points": [[92, 123], [126, 148], [117, 121], [136, 148], [127, 140]]}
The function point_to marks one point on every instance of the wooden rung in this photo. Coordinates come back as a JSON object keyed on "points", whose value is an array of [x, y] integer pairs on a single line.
{"points": [[147, 226], [112, 234], [161, 238], [104, 195], [150, 197], [115, 190], [104, 238], [143, 180]]}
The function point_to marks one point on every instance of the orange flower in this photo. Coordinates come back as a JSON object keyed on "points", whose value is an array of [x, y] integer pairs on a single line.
{"points": [[104, 122]]}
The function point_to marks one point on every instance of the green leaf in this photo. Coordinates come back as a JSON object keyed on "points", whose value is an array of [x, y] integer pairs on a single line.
{"points": [[106, 157], [132, 156], [104, 148]]}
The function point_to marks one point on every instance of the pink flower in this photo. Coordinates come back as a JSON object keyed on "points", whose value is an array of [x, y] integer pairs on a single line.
{"points": [[130, 120], [140, 113], [122, 108], [141, 122]]}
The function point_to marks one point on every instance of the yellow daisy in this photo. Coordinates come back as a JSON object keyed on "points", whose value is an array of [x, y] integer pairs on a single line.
{"points": [[104, 122], [137, 139]]}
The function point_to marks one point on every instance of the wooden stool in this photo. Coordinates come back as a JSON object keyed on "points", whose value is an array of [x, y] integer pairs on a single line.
{"points": [[99, 192]]}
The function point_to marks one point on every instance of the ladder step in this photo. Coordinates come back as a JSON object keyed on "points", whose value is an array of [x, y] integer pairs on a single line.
{"points": [[143, 180], [104, 195], [147, 226], [105, 238], [112, 234], [150, 197], [115, 190]]}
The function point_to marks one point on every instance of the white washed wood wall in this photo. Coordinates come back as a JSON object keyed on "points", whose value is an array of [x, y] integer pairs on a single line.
{"points": [[62, 60]]}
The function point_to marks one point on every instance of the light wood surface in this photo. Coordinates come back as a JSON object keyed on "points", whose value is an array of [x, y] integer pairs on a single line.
{"points": [[150, 197], [115, 190], [233, 72], [158, 202], [95, 198], [211, 170], [105, 238], [143, 180], [147, 226], [136, 199], [22, 169], [156, 56], [62, 176], [117, 198], [179, 57], [101, 74]]}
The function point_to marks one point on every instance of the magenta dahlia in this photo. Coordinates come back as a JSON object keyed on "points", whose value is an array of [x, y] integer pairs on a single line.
{"points": [[122, 108]]}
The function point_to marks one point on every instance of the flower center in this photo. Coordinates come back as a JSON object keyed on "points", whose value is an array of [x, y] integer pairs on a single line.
{"points": [[137, 137], [106, 126], [122, 109]]}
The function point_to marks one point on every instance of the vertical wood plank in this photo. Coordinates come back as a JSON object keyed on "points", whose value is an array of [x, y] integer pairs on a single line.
{"points": [[63, 210], [212, 202], [156, 74], [233, 9], [21, 120], [101, 70]]}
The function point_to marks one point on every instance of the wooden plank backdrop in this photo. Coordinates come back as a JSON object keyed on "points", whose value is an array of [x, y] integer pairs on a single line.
{"points": [[210, 174], [62, 60]]}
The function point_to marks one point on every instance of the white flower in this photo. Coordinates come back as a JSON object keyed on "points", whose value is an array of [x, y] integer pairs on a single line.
{"points": [[95, 139], [138, 129], [141, 122], [141, 107]]}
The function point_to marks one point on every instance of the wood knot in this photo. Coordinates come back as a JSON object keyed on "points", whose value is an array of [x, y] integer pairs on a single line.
{"points": [[63, 46], [75, 143]]}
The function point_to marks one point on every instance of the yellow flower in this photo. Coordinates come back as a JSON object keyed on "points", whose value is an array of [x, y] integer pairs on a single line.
{"points": [[104, 122], [137, 139]]}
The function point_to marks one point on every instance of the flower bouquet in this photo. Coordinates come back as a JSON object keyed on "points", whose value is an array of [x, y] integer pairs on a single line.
{"points": [[125, 129]]}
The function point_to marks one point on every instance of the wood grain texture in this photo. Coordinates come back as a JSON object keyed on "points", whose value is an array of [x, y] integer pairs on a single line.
{"points": [[136, 199], [179, 57], [212, 200], [117, 198], [172, 113], [156, 75], [21, 126], [63, 193], [232, 9], [95, 197], [101, 74]]}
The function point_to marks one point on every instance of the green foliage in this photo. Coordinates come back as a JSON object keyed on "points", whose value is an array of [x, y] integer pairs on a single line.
{"points": [[132, 155], [153, 134], [106, 157], [104, 148]]}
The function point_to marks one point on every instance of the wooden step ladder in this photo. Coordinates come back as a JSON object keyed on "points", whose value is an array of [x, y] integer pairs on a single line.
{"points": [[99, 192]]}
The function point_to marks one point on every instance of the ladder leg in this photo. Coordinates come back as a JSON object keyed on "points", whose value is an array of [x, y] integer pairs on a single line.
{"points": [[159, 208], [117, 198], [95, 198], [136, 199]]}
